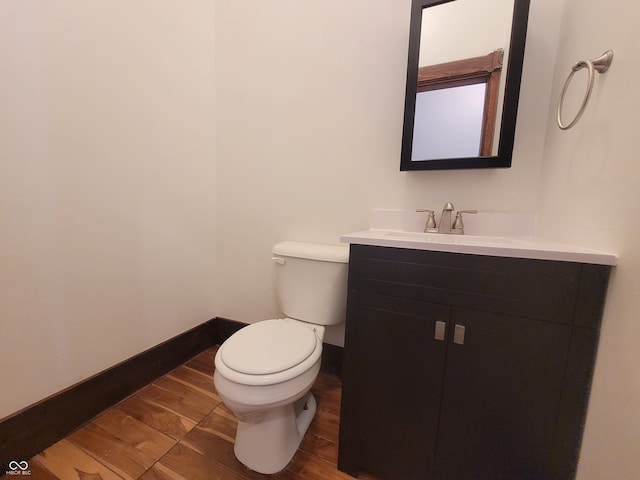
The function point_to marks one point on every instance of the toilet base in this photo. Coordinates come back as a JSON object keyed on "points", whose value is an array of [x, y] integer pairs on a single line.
{"points": [[266, 441]]}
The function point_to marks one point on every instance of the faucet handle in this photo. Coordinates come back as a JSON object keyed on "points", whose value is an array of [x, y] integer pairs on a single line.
{"points": [[430, 226], [458, 227]]}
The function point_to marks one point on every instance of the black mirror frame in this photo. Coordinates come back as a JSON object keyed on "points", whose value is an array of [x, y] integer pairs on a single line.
{"points": [[511, 95]]}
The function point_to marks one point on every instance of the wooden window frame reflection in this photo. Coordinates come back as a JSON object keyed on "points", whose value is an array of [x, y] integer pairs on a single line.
{"points": [[469, 71]]}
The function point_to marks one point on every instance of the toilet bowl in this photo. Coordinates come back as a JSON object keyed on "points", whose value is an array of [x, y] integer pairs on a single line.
{"points": [[264, 372], [273, 404]]}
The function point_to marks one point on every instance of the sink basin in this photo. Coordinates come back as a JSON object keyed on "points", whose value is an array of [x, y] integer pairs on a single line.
{"points": [[454, 239]]}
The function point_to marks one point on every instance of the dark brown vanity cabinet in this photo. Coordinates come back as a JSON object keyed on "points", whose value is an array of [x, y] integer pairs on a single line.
{"points": [[460, 367]]}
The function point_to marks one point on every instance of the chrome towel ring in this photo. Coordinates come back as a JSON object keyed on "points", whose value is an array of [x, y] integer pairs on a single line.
{"points": [[600, 65]]}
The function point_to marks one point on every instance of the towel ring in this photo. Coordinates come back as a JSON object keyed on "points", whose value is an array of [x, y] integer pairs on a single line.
{"points": [[600, 65]]}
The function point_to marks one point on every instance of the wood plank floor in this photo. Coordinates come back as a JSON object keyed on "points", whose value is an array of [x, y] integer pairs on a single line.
{"points": [[177, 428]]}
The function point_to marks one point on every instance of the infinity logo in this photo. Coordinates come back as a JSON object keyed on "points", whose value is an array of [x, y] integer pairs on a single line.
{"points": [[13, 465]]}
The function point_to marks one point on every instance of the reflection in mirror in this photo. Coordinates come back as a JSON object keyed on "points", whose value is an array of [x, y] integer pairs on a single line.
{"points": [[455, 110], [461, 101], [450, 122]]}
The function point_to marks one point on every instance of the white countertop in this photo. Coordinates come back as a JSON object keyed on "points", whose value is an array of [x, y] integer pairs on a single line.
{"points": [[517, 247]]}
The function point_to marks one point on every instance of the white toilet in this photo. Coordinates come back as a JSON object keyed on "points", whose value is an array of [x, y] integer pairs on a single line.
{"points": [[265, 370]]}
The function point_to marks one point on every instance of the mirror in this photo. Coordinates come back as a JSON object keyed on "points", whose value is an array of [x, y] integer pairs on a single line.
{"points": [[463, 83]]}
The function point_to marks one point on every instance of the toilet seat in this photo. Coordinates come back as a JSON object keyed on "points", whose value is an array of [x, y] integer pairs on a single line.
{"points": [[268, 347], [268, 352]]}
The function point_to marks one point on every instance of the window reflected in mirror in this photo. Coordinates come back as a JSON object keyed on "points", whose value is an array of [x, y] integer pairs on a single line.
{"points": [[456, 105]]}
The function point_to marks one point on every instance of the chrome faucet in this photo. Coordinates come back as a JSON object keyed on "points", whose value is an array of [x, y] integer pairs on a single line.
{"points": [[445, 218], [445, 224]]}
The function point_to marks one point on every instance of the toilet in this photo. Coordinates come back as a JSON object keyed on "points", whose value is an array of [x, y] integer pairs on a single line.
{"points": [[264, 372]]}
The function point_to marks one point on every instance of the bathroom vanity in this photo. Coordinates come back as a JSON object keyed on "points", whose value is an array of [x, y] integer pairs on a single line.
{"points": [[463, 365]]}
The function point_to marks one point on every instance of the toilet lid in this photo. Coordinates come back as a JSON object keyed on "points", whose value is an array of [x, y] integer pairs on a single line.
{"points": [[268, 347]]}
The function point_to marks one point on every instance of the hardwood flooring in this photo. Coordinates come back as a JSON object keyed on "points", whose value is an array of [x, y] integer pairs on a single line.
{"points": [[177, 428]]}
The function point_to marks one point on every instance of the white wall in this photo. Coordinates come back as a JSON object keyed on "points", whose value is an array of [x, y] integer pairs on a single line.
{"points": [[589, 195], [107, 185], [310, 98]]}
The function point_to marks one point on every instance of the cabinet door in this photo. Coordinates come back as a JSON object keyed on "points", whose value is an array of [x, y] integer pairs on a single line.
{"points": [[501, 397], [393, 370]]}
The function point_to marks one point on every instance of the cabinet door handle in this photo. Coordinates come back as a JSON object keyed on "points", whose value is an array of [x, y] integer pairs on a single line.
{"points": [[458, 334], [440, 330]]}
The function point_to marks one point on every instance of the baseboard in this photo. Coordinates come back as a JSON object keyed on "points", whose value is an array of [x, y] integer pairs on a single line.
{"points": [[42, 424], [331, 359], [34, 428], [225, 328]]}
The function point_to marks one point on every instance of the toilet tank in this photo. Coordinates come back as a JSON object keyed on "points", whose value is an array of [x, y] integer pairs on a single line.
{"points": [[311, 281]]}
